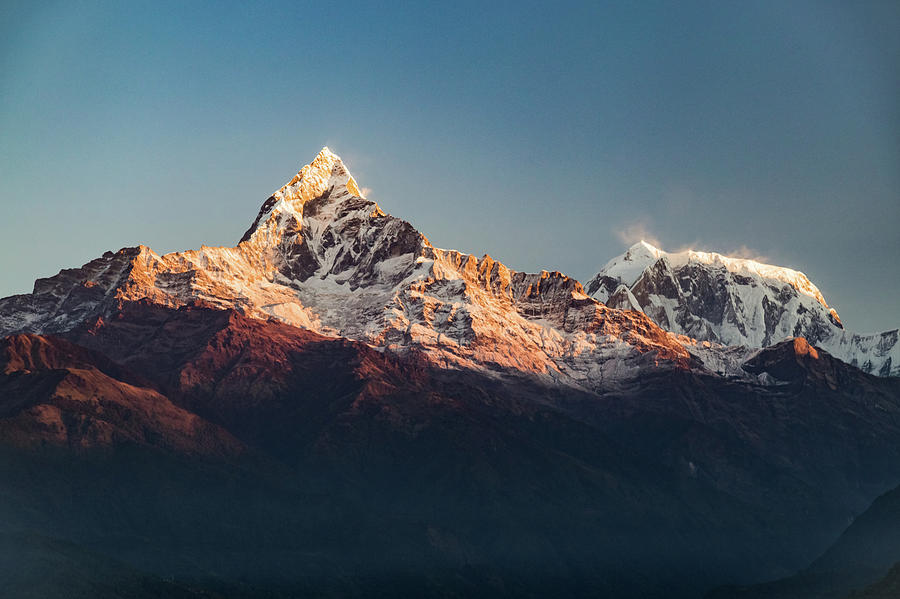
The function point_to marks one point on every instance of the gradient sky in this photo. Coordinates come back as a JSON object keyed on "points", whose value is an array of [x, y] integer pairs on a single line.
{"points": [[548, 135]]}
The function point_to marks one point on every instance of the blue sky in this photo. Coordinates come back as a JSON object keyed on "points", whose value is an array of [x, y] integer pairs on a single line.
{"points": [[548, 135]]}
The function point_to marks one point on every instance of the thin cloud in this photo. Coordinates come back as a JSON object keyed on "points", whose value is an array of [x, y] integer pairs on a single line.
{"points": [[748, 253], [635, 232], [743, 252], [639, 231]]}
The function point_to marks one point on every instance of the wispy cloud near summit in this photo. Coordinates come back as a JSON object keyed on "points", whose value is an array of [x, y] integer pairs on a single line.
{"points": [[637, 231]]}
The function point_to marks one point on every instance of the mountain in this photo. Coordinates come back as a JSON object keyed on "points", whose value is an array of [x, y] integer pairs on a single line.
{"points": [[52, 391], [736, 302], [354, 462], [35, 567], [863, 562], [886, 588], [336, 407], [321, 257]]}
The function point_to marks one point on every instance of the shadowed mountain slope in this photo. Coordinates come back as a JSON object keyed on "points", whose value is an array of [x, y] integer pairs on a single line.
{"points": [[336, 407]]}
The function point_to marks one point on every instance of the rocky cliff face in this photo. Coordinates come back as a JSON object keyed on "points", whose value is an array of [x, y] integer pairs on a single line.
{"points": [[54, 392], [736, 302]]}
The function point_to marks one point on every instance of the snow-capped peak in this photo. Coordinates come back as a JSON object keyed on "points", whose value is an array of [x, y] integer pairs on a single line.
{"points": [[629, 267], [326, 171], [321, 256], [325, 177], [643, 246], [792, 277], [734, 301]]}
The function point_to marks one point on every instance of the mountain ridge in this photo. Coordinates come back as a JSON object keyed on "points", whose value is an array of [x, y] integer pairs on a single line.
{"points": [[320, 256], [736, 302]]}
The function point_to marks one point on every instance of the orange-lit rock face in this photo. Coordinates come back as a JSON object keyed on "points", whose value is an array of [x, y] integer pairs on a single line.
{"points": [[803, 348], [321, 257], [81, 399]]}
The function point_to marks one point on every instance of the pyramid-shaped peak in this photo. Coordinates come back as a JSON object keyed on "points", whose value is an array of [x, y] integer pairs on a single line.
{"points": [[325, 159], [325, 176], [326, 171], [320, 167]]}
